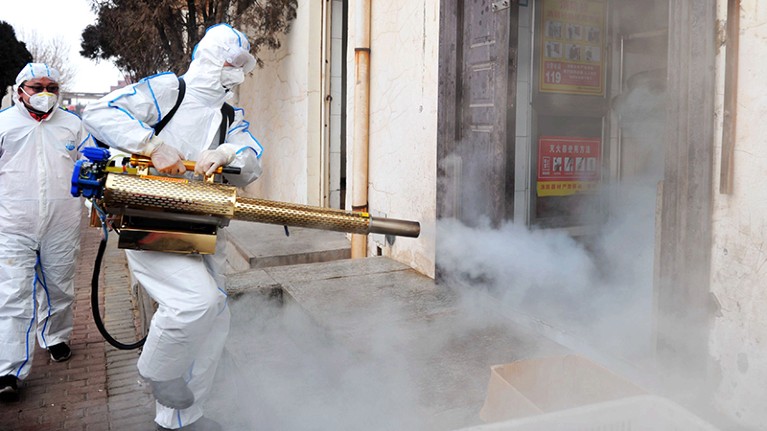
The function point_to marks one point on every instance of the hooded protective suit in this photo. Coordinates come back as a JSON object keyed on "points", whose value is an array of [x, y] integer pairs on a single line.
{"points": [[39, 226], [188, 331]]}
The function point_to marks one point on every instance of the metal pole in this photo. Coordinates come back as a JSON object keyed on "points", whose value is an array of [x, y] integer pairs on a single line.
{"points": [[361, 120]]}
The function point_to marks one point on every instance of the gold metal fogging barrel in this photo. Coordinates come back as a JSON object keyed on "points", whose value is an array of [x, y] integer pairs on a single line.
{"points": [[283, 213], [173, 195], [169, 194]]}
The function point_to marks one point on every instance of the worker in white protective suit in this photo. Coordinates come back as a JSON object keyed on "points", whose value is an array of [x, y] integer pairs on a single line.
{"points": [[39, 224], [188, 331]]}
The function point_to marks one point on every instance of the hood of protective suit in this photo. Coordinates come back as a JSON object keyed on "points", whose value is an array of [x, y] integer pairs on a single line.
{"points": [[33, 71], [221, 44]]}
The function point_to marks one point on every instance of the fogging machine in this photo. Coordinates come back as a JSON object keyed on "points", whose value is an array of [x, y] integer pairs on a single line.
{"points": [[179, 215]]}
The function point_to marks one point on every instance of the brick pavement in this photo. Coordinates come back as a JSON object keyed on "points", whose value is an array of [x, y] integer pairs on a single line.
{"points": [[98, 389]]}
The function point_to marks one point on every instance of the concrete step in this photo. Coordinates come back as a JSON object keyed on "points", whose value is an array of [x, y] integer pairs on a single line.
{"points": [[259, 245], [361, 338]]}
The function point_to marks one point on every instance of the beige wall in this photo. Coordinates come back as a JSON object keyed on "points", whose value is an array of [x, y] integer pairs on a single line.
{"points": [[280, 103], [283, 102], [403, 122], [738, 340]]}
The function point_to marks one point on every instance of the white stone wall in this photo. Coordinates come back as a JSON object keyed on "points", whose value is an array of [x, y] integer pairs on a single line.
{"points": [[283, 103], [277, 100], [738, 340], [404, 51]]}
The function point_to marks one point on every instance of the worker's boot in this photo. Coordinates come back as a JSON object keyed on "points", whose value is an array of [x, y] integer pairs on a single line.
{"points": [[202, 424], [172, 393], [60, 352], [9, 388]]}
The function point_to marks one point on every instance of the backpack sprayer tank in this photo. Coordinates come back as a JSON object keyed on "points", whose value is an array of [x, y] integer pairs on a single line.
{"points": [[180, 215]]}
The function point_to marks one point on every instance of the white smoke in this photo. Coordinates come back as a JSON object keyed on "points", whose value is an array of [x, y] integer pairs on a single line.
{"points": [[282, 371], [597, 290]]}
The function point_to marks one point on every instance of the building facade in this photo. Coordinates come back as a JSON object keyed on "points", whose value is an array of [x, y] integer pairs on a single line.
{"points": [[631, 127]]}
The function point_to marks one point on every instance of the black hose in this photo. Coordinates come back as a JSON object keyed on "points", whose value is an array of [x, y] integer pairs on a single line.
{"points": [[95, 304]]}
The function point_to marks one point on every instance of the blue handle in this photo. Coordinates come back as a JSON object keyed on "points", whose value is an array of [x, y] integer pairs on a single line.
{"points": [[87, 175]]}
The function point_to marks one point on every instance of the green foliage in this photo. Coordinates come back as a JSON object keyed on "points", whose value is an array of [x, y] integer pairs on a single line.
{"points": [[144, 37], [13, 57]]}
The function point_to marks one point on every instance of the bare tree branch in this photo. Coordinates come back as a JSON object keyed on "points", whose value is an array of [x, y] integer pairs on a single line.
{"points": [[54, 51], [144, 37]]}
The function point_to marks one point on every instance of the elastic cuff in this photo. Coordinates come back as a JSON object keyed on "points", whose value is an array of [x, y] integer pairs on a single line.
{"points": [[151, 145], [230, 150]]}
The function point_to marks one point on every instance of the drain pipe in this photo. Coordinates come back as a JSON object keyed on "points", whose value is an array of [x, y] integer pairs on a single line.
{"points": [[361, 120], [730, 108]]}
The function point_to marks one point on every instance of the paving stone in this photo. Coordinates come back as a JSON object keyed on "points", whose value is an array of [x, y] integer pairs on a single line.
{"points": [[73, 395]]}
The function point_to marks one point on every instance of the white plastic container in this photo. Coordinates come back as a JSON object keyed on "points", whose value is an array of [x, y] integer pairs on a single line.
{"points": [[534, 386], [639, 413]]}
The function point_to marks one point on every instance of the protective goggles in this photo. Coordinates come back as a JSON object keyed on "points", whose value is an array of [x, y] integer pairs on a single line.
{"points": [[38, 88]]}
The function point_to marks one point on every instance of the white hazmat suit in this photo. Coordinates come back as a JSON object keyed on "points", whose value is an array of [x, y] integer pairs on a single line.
{"points": [[39, 226], [188, 331]]}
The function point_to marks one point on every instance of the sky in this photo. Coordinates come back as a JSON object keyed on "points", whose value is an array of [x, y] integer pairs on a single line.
{"points": [[65, 19]]}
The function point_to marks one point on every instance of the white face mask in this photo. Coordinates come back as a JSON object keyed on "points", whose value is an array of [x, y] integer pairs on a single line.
{"points": [[43, 101], [231, 76]]}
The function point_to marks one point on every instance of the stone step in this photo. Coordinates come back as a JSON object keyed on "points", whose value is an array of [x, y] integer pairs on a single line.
{"points": [[398, 341], [259, 245]]}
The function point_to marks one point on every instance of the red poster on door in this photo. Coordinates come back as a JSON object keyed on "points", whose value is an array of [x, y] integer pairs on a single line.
{"points": [[568, 165]]}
